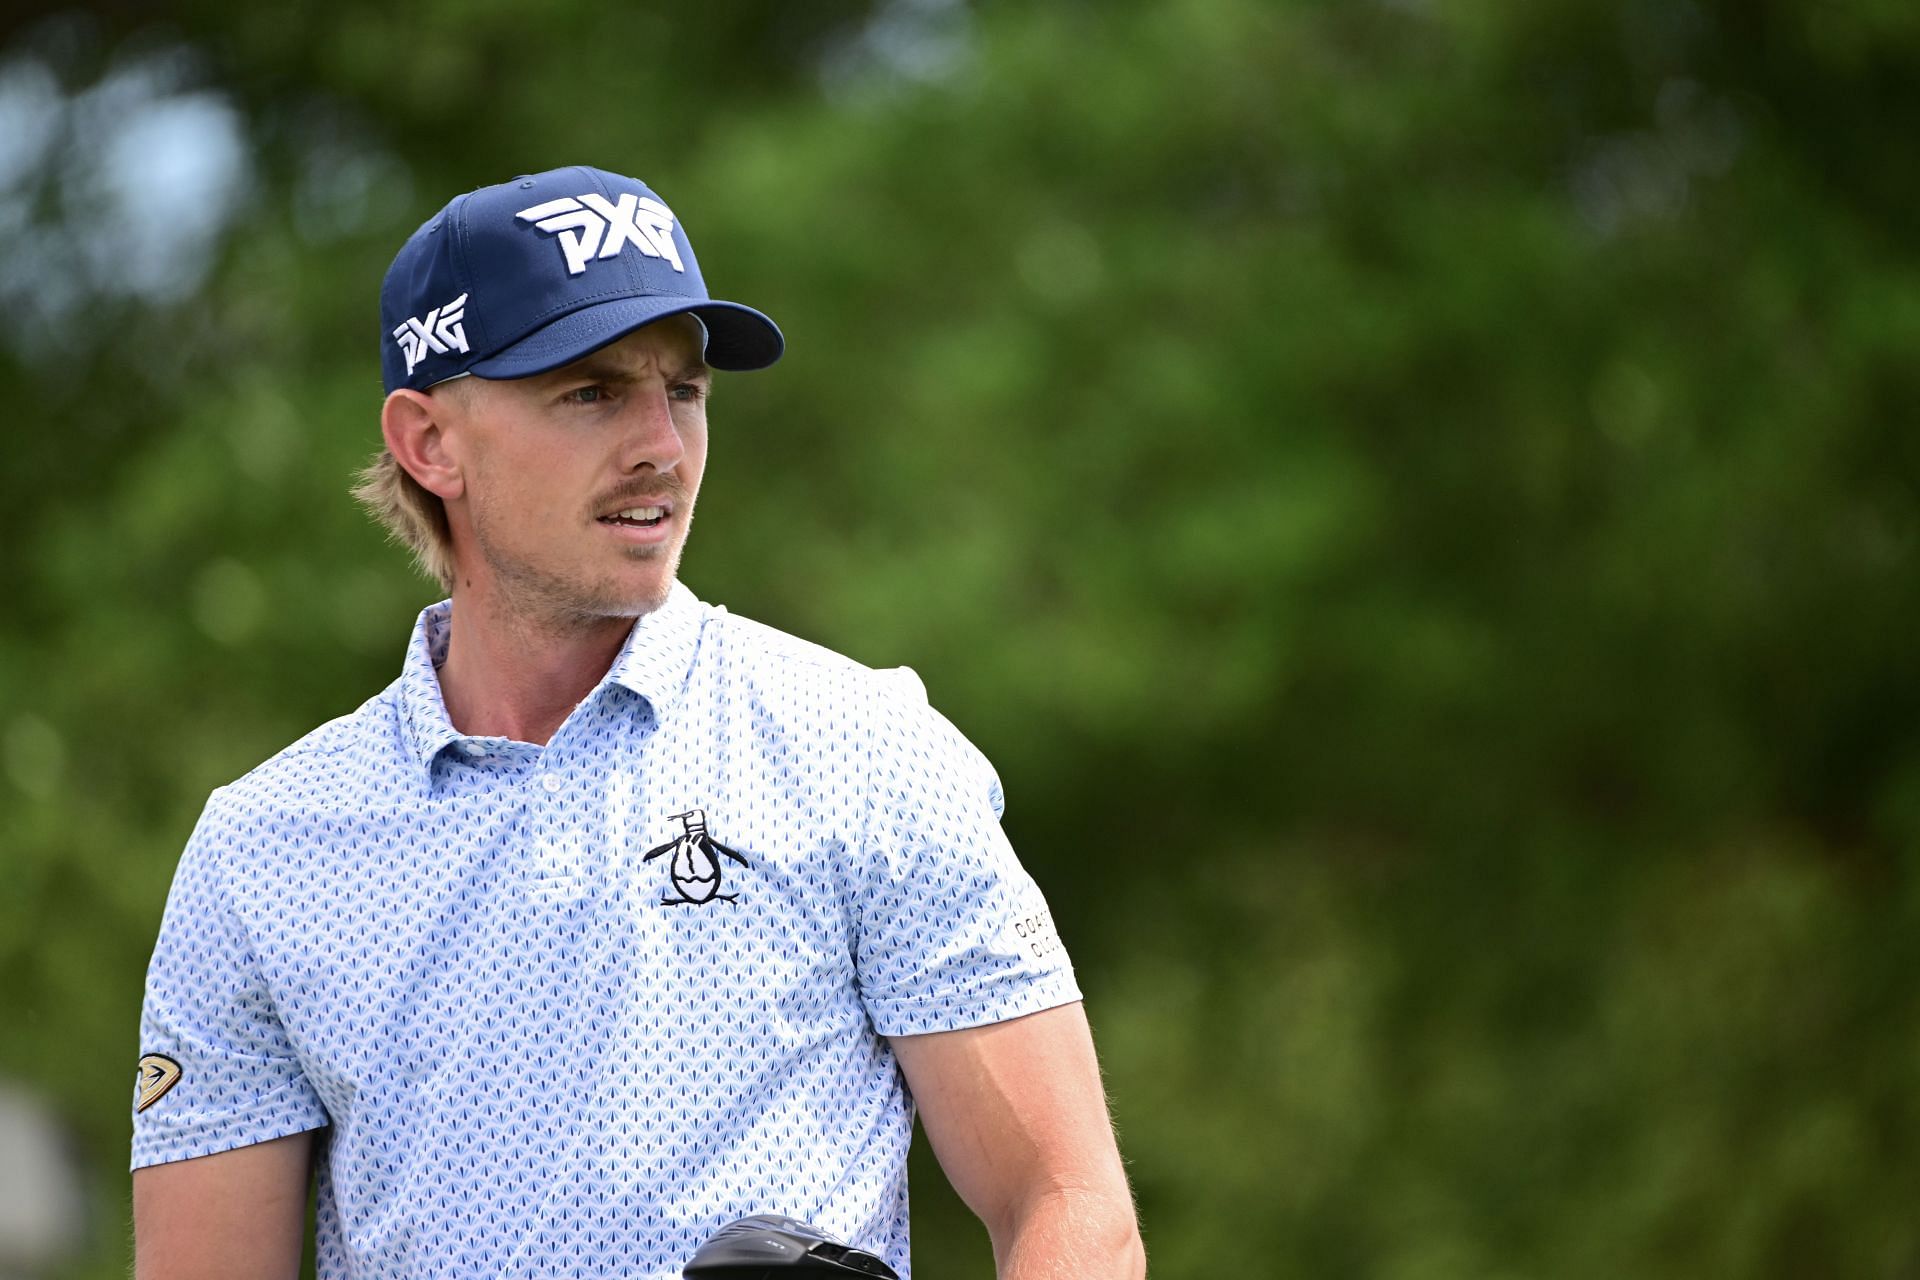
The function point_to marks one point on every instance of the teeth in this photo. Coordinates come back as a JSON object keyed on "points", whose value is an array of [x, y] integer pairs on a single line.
{"points": [[641, 513]]}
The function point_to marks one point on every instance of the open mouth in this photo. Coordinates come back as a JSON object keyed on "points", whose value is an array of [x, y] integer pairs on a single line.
{"points": [[638, 517]]}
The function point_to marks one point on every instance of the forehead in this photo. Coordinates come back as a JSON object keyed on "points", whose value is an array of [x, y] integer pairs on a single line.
{"points": [[674, 344]]}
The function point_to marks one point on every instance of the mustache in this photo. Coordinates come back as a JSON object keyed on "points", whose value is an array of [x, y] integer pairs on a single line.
{"points": [[639, 493]]}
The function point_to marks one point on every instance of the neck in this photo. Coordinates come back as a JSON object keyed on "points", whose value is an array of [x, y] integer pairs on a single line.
{"points": [[509, 675]]}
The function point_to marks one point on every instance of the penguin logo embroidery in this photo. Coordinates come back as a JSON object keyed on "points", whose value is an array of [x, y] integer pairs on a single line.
{"points": [[695, 865]]}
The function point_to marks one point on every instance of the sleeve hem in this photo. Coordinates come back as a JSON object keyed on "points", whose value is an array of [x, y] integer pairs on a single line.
{"points": [[220, 1141], [923, 1014]]}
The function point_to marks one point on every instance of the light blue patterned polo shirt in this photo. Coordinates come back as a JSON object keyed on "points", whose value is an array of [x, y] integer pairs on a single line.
{"points": [[567, 1009]]}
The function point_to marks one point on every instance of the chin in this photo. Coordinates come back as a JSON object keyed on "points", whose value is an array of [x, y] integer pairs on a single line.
{"points": [[656, 597], [643, 593], [624, 587]]}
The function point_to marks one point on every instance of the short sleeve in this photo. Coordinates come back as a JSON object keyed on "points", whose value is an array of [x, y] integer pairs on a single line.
{"points": [[952, 931], [217, 1071]]}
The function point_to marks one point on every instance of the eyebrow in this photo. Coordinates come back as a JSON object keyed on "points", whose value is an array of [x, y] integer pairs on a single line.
{"points": [[596, 370]]}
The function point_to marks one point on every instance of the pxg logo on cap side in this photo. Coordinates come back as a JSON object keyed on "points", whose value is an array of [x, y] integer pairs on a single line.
{"points": [[441, 331], [594, 227]]}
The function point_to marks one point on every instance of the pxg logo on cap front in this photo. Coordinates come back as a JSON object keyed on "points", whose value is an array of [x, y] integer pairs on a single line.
{"points": [[593, 226]]}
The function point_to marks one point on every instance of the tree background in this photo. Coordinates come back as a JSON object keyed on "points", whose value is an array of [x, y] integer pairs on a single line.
{"points": [[1418, 501]]}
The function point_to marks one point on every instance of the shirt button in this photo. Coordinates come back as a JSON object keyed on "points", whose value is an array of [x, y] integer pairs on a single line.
{"points": [[552, 783], [473, 748]]}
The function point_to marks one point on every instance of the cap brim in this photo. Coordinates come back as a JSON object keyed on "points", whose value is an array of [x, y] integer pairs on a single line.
{"points": [[738, 338]]}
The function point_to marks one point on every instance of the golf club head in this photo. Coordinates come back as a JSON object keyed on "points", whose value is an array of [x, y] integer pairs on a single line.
{"points": [[770, 1247]]}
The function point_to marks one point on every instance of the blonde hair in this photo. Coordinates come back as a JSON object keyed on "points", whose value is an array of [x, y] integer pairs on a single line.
{"points": [[411, 516]]}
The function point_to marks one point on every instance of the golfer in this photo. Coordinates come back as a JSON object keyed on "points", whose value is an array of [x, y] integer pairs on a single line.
{"points": [[616, 916]]}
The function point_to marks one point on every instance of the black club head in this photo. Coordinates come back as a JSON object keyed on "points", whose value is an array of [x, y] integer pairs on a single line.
{"points": [[767, 1245]]}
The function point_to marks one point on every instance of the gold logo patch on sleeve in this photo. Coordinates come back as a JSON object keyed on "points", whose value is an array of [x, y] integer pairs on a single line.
{"points": [[158, 1073]]}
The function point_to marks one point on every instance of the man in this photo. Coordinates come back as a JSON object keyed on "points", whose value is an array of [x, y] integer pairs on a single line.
{"points": [[616, 917]]}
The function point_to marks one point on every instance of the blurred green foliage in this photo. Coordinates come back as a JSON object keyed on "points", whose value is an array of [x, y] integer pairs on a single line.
{"points": [[1419, 501]]}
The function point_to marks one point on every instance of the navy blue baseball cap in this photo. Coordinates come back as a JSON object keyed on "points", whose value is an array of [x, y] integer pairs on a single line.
{"points": [[520, 278]]}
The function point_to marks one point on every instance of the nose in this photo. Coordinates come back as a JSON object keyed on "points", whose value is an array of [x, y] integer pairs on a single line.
{"points": [[652, 437]]}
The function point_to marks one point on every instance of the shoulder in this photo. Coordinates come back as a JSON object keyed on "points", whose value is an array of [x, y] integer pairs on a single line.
{"points": [[345, 756], [798, 687], [778, 664]]}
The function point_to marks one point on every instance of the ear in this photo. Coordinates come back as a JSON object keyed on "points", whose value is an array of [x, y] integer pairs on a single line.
{"points": [[414, 424]]}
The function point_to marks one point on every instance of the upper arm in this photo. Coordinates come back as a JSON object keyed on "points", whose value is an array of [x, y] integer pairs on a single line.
{"points": [[950, 929], [240, 1214], [210, 1010], [1016, 1114]]}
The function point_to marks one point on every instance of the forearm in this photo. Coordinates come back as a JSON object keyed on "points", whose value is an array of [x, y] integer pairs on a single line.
{"points": [[1071, 1235]]}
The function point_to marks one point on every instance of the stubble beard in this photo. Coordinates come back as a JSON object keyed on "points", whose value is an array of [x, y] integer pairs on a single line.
{"points": [[568, 603]]}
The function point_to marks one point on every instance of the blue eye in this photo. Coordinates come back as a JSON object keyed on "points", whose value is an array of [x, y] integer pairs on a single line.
{"points": [[587, 395]]}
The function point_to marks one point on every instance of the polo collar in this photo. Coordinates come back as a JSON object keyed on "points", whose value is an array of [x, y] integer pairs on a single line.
{"points": [[653, 662], [659, 650], [423, 711]]}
